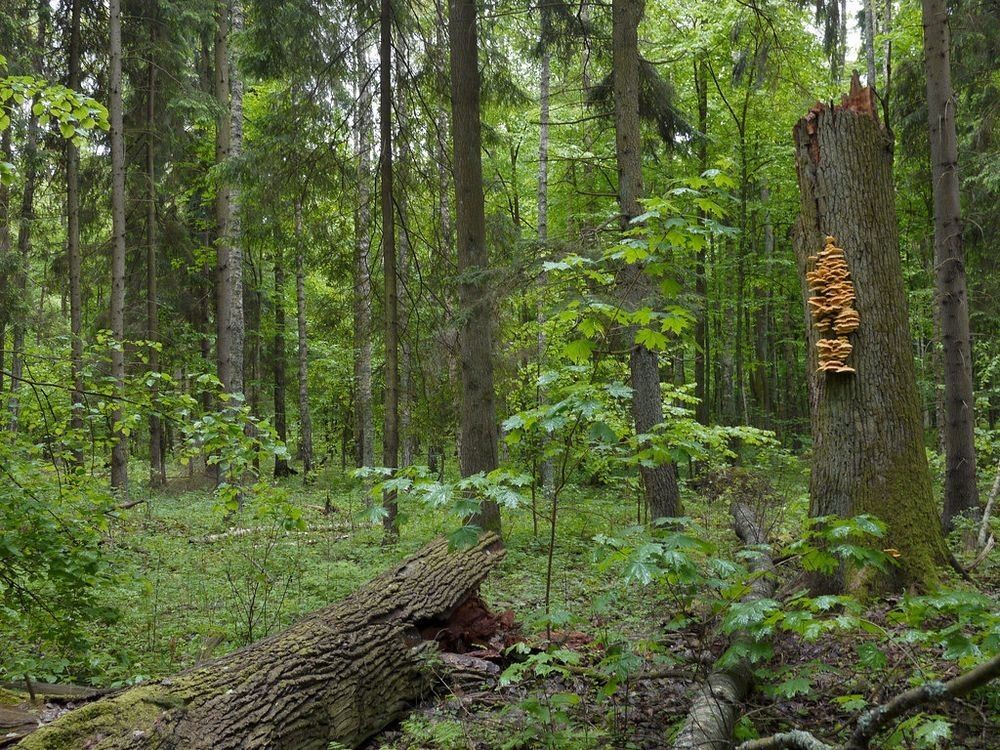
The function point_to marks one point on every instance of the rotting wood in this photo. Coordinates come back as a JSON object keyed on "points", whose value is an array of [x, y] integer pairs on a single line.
{"points": [[340, 675], [710, 721]]}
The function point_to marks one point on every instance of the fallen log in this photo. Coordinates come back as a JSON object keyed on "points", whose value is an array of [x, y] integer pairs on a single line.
{"points": [[340, 675], [235, 533], [709, 723]]}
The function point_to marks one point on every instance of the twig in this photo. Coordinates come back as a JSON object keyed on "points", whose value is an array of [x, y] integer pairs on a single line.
{"points": [[984, 527], [875, 720]]}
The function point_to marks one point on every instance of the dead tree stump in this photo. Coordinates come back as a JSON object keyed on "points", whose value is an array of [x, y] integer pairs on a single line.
{"points": [[868, 450]]}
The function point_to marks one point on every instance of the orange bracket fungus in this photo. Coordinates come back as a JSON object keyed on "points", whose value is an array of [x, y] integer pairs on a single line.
{"points": [[832, 306]]}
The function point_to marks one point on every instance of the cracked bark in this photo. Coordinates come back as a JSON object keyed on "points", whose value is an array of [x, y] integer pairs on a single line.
{"points": [[868, 452], [340, 675]]}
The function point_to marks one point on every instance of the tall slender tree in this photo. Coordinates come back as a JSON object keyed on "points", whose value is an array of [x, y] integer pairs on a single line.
{"points": [[119, 451], [960, 490], [25, 227], [278, 356], [390, 430], [478, 411], [364, 437], [73, 254], [659, 482], [305, 415], [157, 465], [229, 254]]}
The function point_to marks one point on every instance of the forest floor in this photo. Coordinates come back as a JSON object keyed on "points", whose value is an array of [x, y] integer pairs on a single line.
{"points": [[615, 670]]}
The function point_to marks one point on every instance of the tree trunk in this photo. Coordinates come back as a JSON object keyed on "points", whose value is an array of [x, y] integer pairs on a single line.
{"points": [[229, 253], [407, 434], [702, 360], [659, 482], [546, 469], [305, 415], [478, 412], [364, 429], [26, 223], [119, 451], [390, 429], [760, 385], [281, 467], [157, 466], [869, 42], [339, 676], [5, 266], [868, 452], [960, 490]]}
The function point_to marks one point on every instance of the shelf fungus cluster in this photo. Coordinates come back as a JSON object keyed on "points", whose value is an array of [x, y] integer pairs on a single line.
{"points": [[832, 306]]}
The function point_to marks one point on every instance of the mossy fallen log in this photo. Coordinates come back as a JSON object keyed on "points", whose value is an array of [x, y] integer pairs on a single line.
{"points": [[340, 675]]}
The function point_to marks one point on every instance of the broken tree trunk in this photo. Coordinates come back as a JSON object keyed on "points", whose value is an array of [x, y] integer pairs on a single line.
{"points": [[868, 450], [340, 675], [709, 724]]}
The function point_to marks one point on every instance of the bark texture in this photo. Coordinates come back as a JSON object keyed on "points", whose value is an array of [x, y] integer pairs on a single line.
{"points": [[305, 413], [119, 450], [960, 490], [364, 430], [157, 465], [478, 412], [660, 482], [281, 467], [229, 253], [868, 452], [390, 428], [340, 675]]}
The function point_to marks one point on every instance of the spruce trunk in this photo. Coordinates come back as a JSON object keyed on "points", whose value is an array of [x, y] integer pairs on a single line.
{"points": [[868, 451], [478, 430], [960, 490]]}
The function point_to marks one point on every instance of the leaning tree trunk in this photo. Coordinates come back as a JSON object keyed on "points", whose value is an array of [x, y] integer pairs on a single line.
{"points": [[868, 451], [340, 675], [960, 490], [659, 482]]}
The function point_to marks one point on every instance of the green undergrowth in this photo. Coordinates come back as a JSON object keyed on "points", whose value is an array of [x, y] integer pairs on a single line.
{"points": [[624, 598]]}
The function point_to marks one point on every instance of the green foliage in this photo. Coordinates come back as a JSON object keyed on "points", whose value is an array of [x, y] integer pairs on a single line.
{"points": [[53, 564]]}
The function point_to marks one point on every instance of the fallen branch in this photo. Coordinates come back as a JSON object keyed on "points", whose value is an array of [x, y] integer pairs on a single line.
{"points": [[879, 718], [983, 554], [709, 723], [235, 533], [984, 527], [339, 676]]}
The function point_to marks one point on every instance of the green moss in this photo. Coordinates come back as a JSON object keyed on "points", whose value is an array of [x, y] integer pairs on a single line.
{"points": [[102, 723], [902, 497], [11, 697]]}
